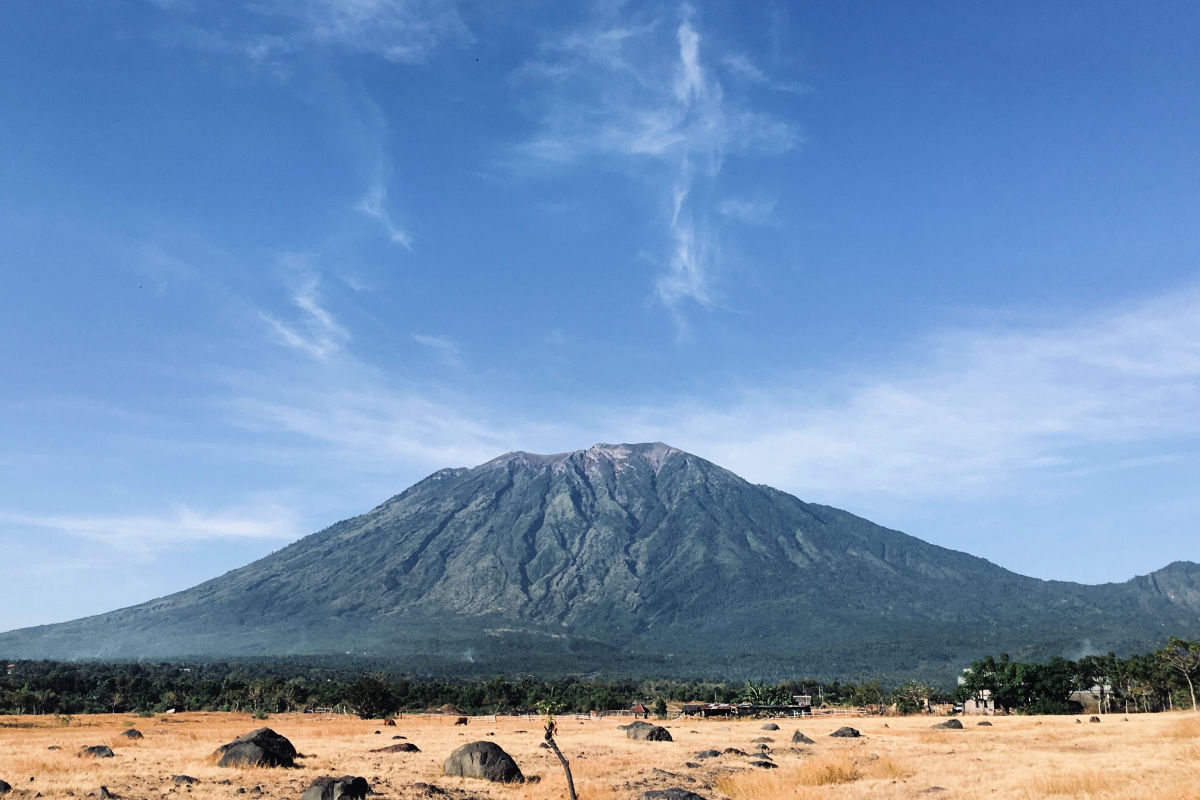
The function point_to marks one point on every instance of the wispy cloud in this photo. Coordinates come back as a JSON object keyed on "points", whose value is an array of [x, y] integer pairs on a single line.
{"points": [[316, 331], [622, 89], [399, 31], [982, 410], [141, 537], [747, 211], [373, 205], [405, 31], [446, 348]]}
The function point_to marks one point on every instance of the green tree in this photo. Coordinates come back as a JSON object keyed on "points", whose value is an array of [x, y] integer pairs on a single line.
{"points": [[370, 697], [911, 697], [1182, 658]]}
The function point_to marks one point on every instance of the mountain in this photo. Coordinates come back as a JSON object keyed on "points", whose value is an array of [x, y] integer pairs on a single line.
{"points": [[629, 559]]}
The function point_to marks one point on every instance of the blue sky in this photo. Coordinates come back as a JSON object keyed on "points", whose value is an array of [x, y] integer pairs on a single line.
{"points": [[934, 263]]}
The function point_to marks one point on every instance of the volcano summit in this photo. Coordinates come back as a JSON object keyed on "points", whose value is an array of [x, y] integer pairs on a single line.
{"points": [[628, 559]]}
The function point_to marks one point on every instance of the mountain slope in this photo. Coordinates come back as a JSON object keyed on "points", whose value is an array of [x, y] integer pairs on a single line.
{"points": [[629, 557]]}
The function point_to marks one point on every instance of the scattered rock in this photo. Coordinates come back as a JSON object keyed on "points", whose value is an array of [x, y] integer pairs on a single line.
{"points": [[691, 765], [427, 788], [102, 793], [329, 788], [770, 726], [5, 787], [670, 794], [948, 725], [96, 751], [932, 790], [378, 732], [646, 732], [846, 733], [708, 754], [403, 747], [733, 751], [1078, 722], [56, 747], [185, 779], [764, 764], [800, 738], [399, 737], [259, 748], [762, 739], [132, 733], [389, 723], [486, 760], [984, 723], [1094, 719]]}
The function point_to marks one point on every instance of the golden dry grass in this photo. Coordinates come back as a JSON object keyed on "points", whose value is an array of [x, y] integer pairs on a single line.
{"points": [[1148, 756]]}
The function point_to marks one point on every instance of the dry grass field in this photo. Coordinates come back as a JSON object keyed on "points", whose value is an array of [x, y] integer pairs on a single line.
{"points": [[1144, 756]]}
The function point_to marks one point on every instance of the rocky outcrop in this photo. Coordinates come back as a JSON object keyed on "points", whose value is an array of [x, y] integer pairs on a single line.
{"points": [[259, 748], [646, 732], [329, 788], [403, 747], [486, 760], [96, 751], [949, 725]]}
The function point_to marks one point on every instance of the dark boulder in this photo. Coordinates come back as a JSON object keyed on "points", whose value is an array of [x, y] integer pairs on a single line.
{"points": [[485, 760], [846, 733], [733, 751], [5, 787], [1093, 719], [184, 779], [102, 793], [670, 794], [403, 747], [949, 725], [132, 733], [770, 726], [260, 748], [708, 754], [96, 751], [646, 732], [764, 764], [984, 723], [800, 738], [761, 739], [329, 788]]}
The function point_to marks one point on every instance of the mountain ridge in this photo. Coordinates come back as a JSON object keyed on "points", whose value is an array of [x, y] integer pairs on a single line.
{"points": [[629, 555]]}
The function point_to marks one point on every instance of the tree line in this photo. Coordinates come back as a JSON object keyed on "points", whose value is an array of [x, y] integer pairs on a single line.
{"points": [[1154, 681], [1161, 680]]}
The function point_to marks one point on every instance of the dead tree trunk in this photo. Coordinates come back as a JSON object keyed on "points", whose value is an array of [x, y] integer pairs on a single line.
{"points": [[566, 765]]}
